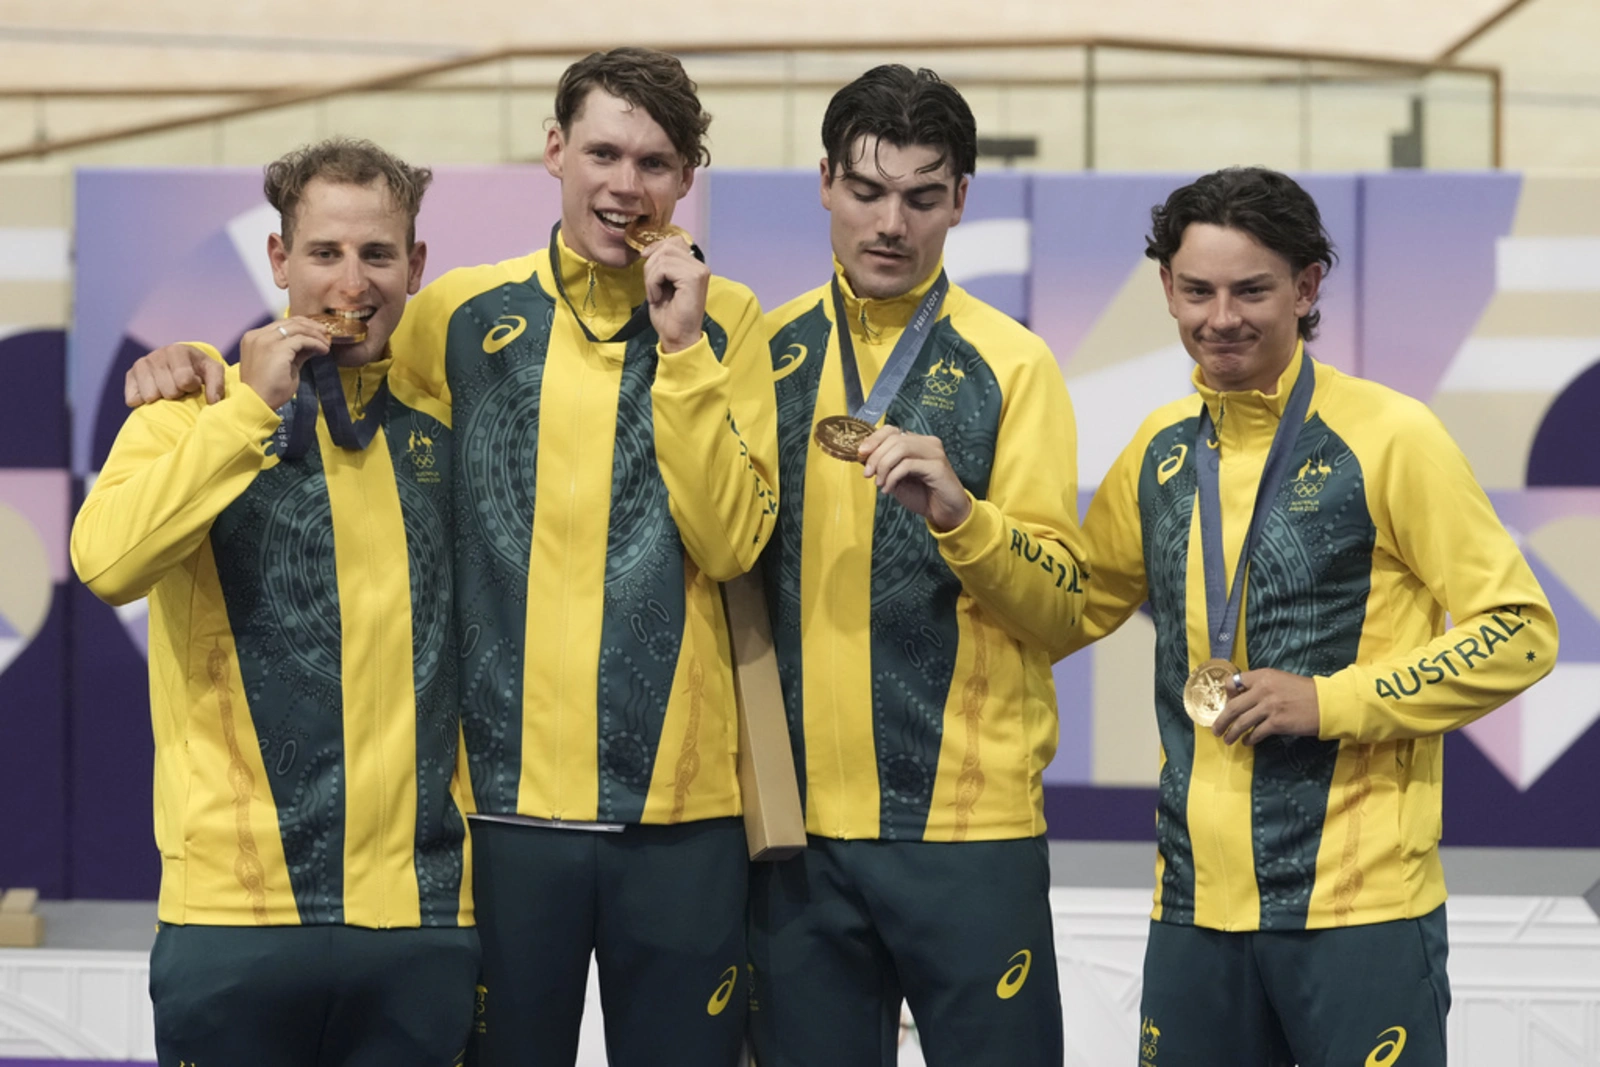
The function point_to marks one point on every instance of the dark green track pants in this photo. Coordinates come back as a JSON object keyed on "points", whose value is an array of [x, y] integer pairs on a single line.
{"points": [[840, 934], [312, 996], [660, 908], [1354, 996]]}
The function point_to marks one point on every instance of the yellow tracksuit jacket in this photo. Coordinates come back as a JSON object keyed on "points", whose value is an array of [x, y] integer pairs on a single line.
{"points": [[1378, 533], [915, 665], [602, 491], [302, 692]]}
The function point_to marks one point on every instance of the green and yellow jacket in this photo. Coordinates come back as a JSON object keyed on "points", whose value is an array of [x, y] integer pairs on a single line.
{"points": [[1382, 572], [302, 690], [916, 665], [603, 489]]}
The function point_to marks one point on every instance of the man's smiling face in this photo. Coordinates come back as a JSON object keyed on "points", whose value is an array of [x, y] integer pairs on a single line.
{"points": [[615, 164], [348, 255], [1238, 305]]}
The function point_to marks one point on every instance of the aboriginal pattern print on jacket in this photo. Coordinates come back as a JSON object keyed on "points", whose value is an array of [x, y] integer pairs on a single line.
{"points": [[497, 381], [953, 394], [275, 557], [1307, 588]]}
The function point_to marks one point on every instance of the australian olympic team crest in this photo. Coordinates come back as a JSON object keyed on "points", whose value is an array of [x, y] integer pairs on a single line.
{"points": [[1307, 483], [424, 465], [941, 383]]}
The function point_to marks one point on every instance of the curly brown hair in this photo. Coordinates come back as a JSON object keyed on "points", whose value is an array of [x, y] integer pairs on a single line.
{"points": [[647, 78], [343, 161], [1267, 205]]}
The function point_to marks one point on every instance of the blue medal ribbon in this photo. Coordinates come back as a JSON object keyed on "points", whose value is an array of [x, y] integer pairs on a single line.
{"points": [[319, 381], [353, 434], [905, 353], [298, 430], [1222, 617]]}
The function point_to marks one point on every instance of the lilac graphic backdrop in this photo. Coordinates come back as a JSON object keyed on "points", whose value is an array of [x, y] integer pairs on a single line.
{"points": [[167, 255], [1429, 276], [35, 504]]}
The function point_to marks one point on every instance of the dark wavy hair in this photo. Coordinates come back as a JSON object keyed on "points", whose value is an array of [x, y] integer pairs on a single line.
{"points": [[644, 77], [902, 107], [1267, 205], [343, 161]]}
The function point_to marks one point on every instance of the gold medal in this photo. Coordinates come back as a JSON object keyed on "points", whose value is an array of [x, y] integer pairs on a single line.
{"points": [[1206, 691], [642, 233], [342, 329], [840, 436]]}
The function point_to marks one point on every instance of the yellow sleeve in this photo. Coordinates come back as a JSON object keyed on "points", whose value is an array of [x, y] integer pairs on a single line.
{"points": [[1116, 583], [1437, 524], [417, 375], [716, 436], [173, 468], [1020, 552], [1113, 532]]}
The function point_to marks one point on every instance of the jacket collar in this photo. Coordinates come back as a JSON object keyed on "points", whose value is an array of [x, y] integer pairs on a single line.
{"points": [[604, 297], [870, 318]]}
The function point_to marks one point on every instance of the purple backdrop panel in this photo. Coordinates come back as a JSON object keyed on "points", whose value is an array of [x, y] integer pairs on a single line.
{"points": [[1484, 808], [170, 311], [1428, 269], [767, 229], [111, 848], [1074, 761], [1338, 198], [478, 215], [33, 756], [34, 434], [1100, 813], [134, 228], [35, 501], [991, 251], [1088, 235]]}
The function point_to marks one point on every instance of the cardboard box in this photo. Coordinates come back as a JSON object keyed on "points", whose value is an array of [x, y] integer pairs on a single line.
{"points": [[20, 926], [774, 827]]}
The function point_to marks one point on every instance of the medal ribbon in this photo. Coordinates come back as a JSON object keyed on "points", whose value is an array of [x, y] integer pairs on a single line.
{"points": [[354, 434], [319, 380], [1222, 617], [636, 322], [900, 360], [298, 429]]}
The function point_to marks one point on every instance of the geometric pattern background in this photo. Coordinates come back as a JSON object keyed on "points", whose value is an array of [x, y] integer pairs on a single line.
{"points": [[35, 509]]}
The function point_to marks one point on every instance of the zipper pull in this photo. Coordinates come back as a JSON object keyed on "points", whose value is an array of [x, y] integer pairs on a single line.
{"points": [[866, 327]]}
